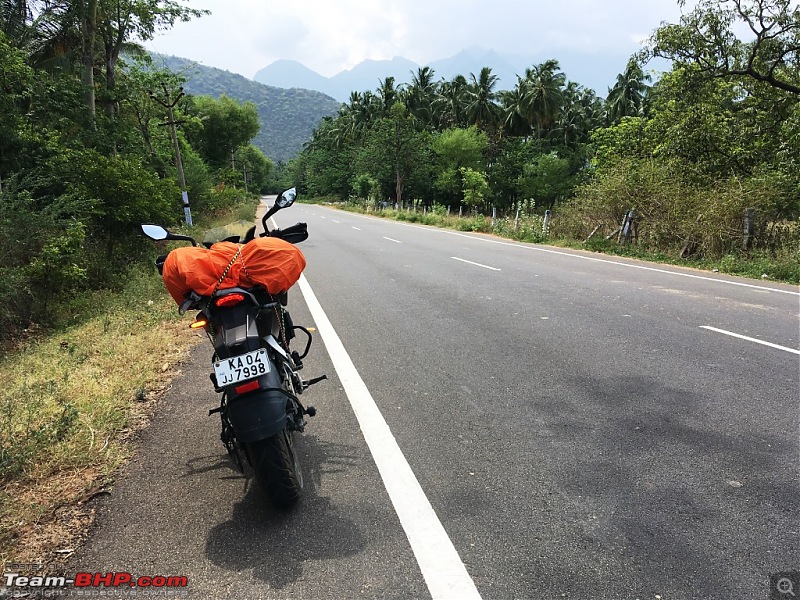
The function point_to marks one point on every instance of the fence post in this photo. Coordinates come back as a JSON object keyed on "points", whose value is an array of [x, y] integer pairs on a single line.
{"points": [[516, 219], [494, 215], [624, 226], [749, 227], [546, 223], [633, 231]]}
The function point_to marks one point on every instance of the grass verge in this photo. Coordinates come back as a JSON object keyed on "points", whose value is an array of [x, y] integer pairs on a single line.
{"points": [[71, 403]]}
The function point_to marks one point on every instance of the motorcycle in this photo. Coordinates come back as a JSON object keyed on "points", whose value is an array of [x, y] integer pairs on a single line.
{"points": [[253, 366]]}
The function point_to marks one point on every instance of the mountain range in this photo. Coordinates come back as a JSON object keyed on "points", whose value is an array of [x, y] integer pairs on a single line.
{"points": [[287, 116], [291, 99], [594, 71]]}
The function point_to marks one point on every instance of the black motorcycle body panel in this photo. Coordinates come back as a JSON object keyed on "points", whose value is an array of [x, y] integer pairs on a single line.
{"points": [[261, 414], [242, 328]]}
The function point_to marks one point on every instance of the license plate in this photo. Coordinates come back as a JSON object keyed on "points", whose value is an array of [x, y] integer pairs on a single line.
{"points": [[241, 368]]}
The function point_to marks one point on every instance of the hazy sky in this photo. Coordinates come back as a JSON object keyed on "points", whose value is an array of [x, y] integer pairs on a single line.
{"points": [[244, 36]]}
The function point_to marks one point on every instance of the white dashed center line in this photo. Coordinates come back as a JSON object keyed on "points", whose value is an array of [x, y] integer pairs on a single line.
{"points": [[469, 262]]}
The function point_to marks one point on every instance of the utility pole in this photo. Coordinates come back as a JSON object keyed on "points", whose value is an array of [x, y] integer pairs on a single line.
{"points": [[169, 105]]}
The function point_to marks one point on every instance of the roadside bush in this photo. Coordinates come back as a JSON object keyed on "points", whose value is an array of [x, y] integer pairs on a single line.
{"points": [[44, 258], [675, 211], [198, 180], [223, 198]]}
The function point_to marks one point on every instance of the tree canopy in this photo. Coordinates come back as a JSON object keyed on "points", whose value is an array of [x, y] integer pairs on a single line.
{"points": [[87, 154]]}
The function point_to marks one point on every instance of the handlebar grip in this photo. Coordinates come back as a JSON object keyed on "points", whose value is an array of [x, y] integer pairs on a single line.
{"points": [[294, 234]]}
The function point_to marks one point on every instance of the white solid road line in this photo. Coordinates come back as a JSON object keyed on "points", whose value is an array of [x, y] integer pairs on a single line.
{"points": [[582, 257], [474, 263], [749, 339], [444, 572]]}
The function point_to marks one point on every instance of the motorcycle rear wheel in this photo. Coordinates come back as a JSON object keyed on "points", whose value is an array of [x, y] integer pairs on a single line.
{"points": [[277, 469]]}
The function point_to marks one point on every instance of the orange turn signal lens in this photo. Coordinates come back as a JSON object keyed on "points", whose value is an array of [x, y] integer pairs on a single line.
{"points": [[199, 324]]}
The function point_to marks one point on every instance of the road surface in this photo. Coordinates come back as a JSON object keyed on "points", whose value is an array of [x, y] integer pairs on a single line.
{"points": [[502, 421]]}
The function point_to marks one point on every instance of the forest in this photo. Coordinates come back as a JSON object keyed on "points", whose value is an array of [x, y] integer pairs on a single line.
{"points": [[87, 150], [705, 155]]}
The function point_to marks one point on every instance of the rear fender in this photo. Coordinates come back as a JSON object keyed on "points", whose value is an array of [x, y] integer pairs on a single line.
{"points": [[259, 414]]}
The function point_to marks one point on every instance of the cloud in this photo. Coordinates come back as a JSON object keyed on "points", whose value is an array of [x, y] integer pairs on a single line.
{"points": [[246, 35]]}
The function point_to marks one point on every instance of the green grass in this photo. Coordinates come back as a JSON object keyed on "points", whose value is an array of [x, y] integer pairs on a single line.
{"points": [[781, 266]]}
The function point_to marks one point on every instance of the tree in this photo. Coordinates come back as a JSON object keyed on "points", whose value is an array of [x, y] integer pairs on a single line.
{"points": [[394, 150], [120, 21], [84, 34], [326, 166], [475, 186], [456, 149], [225, 126], [542, 94], [421, 94], [706, 37], [450, 105], [482, 110], [255, 166], [16, 79], [547, 180], [387, 95], [515, 122], [628, 96]]}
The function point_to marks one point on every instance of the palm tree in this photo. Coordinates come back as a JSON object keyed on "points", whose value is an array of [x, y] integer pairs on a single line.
{"points": [[449, 106], [421, 94], [15, 19], [354, 118], [388, 95], [628, 97], [543, 94], [514, 121], [482, 110]]}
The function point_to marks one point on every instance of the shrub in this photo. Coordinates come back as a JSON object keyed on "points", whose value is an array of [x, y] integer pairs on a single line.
{"points": [[673, 211]]}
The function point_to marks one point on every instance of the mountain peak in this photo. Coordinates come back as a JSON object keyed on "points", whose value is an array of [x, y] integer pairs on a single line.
{"points": [[589, 70]]}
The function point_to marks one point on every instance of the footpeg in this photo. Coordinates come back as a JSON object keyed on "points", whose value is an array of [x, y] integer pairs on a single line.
{"points": [[310, 382]]}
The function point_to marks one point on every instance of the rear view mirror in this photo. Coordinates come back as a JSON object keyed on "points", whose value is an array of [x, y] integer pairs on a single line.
{"points": [[155, 232], [286, 198]]}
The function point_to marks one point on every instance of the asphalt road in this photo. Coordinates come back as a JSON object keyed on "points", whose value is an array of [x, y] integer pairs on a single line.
{"points": [[576, 426]]}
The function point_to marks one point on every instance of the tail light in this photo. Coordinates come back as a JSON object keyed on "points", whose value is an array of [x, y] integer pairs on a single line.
{"points": [[250, 386], [229, 300]]}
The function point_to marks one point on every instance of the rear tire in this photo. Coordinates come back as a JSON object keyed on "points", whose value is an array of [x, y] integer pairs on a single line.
{"points": [[276, 468]]}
